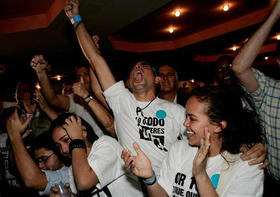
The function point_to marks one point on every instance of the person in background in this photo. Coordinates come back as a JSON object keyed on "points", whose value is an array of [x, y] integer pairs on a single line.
{"points": [[86, 106], [169, 87], [265, 93]]}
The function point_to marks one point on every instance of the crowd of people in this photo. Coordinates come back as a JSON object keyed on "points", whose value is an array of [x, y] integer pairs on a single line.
{"points": [[143, 137]]}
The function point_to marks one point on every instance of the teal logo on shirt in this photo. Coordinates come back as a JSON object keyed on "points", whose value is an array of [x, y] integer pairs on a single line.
{"points": [[161, 114], [215, 180]]}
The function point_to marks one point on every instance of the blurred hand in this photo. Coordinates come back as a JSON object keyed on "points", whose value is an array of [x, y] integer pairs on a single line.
{"points": [[38, 63], [79, 88], [71, 8], [256, 153], [200, 160], [140, 164], [14, 124], [39, 98], [74, 127]]}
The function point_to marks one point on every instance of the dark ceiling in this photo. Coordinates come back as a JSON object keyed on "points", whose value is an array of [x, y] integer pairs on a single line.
{"points": [[129, 31]]}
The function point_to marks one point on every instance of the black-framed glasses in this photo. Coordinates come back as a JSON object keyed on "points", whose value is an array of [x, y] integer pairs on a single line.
{"points": [[44, 159], [167, 75]]}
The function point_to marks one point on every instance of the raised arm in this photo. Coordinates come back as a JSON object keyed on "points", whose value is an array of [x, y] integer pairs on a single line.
{"points": [[39, 64], [88, 46], [85, 177], [105, 118], [44, 106], [96, 89], [30, 173], [242, 63]]}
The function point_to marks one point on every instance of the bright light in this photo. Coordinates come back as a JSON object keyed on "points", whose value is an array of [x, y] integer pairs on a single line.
{"points": [[226, 7], [266, 58], [192, 80], [278, 37], [38, 86], [58, 77], [177, 13], [171, 30], [234, 48]]}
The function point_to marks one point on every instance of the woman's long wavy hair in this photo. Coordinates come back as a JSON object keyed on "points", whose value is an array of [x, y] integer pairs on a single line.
{"points": [[243, 126]]}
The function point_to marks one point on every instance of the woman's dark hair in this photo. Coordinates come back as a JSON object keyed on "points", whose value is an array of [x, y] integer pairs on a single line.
{"points": [[60, 120], [243, 126], [43, 141]]}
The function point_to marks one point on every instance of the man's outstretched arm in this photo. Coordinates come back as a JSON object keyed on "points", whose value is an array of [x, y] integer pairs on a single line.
{"points": [[242, 63], [89, 48], [39, 64]]}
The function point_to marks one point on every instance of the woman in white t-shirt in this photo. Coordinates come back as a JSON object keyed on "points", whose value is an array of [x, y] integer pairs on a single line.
{"points": [[209, 163]]}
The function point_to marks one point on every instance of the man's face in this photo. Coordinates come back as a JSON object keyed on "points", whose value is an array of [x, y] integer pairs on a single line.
{"points": [[168, 80], [224, 72], [141, 78], [83, 72], [47, 159], [23, 93]]}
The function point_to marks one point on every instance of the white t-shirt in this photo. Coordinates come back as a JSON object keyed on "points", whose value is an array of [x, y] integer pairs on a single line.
{"points": [[105, 160], [154, 125], [176, 174], [11, 179], [81, 111]]}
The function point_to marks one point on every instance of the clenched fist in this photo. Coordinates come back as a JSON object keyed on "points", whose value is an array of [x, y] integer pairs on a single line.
{"points": [[71, 8]]}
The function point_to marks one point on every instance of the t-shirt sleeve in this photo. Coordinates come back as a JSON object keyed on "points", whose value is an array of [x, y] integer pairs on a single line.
{"points": [[167, 170], [114, 94], [55, 177], [247, 182], [105, 161]]}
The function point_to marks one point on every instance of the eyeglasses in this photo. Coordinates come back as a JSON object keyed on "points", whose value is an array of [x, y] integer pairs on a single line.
{"points": [[224, 68], [44, 159], [167, 75]]}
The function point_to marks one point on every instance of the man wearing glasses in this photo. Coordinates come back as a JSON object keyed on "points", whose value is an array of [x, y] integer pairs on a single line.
{"points": [[43, 174]]}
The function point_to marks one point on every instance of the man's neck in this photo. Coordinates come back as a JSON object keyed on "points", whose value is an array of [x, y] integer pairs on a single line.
{"points": [[144, 96], [169, 96]]}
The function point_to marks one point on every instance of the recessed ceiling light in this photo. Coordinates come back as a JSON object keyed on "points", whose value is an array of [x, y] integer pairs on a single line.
{"points": [[171, 30], [266, 58], [226, 7], [177, 13], [278, 37]]}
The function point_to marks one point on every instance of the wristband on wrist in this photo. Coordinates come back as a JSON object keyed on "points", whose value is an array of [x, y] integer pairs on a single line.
{"points": [[76, 19], [88, 99], [151, 182], [76, 143]]}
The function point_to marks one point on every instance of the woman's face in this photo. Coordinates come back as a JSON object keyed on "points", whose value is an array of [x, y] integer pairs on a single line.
{"points": [[61, 140], [47, 159], [197, 121]]}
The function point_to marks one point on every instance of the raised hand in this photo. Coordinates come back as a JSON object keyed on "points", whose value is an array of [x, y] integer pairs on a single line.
{"points": [[14, 124], [74, 127], [199, 162], [38, 63], [140, 164], [71, 8], [39, 98], [79, 88]]}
